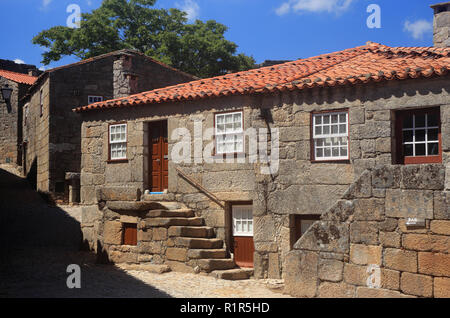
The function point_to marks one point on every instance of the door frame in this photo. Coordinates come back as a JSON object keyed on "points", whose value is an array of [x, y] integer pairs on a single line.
{"points": [[229, 220], [149, 156]]}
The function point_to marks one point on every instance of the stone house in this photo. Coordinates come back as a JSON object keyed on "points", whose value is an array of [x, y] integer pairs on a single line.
{"points": [[51, 131], [18, 77], [310, 170]]}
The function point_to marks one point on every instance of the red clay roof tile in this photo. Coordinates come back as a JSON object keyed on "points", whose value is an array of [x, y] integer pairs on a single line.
{"points": [[364, 64], [18, 77]]}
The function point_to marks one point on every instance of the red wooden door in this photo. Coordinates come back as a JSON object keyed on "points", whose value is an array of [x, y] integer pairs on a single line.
{"points": [[244, 247], [159, 159]]}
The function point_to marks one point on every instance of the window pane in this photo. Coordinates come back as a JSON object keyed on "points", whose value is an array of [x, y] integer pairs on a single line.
{"points": [[335, 152], [326, 130], [334, 119], [318, 130], [408, 121], [408, 150], [327, 152], [237, 117], [318, 119], [319, 142], [319, 152], [433, 134], [408, 136], [343, 118], [420, 121], [342, 129], [326, 119], [420, 150], [238, 126], [420, 135], [433, 149], [344, 152], [335, 129], [228, 119], [433, 120], [219, 119]]}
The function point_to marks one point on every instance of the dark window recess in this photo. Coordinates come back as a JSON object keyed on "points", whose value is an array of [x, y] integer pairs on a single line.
{"points": [[129, 234], [302, 224], [60, 187]]}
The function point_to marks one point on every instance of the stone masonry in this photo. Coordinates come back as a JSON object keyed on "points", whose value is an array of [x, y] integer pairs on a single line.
{"points": [[303, 187], [366, 234]]}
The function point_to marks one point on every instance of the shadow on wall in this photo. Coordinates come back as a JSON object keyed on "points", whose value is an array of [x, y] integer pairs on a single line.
{"points": [[39, 241]]}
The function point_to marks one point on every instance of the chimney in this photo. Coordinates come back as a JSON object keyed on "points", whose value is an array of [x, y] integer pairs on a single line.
{"points": [[33, 72], [441, 24]]}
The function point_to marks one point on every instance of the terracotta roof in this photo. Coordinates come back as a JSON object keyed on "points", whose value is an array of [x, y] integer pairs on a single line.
{"points": [[369, 63], [18, 77]]}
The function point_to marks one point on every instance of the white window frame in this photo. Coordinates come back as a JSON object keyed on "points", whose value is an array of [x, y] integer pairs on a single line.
{"points": [[117, 141], [425, 142], [327, 136], [238, 133], [244, 215], [100, 99]]}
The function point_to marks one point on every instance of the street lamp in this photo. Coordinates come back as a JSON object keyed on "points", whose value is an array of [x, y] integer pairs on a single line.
{"points": [[6, 94]]}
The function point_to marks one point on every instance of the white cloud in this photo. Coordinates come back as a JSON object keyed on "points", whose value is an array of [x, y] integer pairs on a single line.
{"points": [[191, 8], [42, 68], [316, 6], [418, 28], [45, 3], [19, 61]]}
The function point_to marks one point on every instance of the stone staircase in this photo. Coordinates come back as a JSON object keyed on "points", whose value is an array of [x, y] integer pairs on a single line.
{"points": [[192, 246]]}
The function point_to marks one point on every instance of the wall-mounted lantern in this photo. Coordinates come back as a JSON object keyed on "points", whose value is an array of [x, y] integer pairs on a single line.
{"points": [[6, 94]]}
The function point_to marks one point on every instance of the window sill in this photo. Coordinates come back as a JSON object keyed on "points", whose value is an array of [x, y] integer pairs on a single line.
{"points": [[422, 160], [344, 161], [118, 161]]}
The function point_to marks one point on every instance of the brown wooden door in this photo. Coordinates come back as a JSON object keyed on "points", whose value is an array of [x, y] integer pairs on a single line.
{"points": [[243, 235], [159, 159]]}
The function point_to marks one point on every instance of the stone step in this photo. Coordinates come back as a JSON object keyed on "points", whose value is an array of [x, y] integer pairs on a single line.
{"points": [[209, 265], [233, 274], [179, 213], [198, 243], [209, 253], [174, 221], [190, 231]]}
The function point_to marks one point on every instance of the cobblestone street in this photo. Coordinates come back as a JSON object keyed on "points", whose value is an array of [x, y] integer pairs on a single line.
{"points": [[38, 242]]}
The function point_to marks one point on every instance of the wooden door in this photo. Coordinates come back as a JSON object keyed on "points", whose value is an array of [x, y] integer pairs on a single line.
{"points": [[243, 235], [159, 156]]}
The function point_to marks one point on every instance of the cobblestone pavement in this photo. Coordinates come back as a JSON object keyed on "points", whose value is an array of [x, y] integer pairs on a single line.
{"points": [[38, 242]]}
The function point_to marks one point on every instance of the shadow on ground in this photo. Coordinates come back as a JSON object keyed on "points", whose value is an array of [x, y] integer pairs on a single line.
{"points": [[38, 242]]}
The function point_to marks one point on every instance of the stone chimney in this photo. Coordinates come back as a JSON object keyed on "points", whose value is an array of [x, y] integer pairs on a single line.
{"points": [[33, 72], [441, 24]]}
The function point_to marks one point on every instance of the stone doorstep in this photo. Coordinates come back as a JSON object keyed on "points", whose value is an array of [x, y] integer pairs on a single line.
{"points": [[179, 213], [137, 206], [199, 243], [206, 253], [233, 274], [152, 268], [167, 222], [191, 231], [209, 265]]}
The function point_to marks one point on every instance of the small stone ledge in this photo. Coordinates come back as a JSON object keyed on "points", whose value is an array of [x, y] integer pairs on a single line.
{"points": [[152, 268], [118, 194], [130, 206]]}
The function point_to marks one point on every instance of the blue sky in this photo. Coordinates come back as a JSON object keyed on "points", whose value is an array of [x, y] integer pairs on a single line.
{"points": [[264, 29]]}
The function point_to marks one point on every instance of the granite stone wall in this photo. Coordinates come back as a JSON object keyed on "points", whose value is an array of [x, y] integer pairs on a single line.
{"points": [[365, 245]]}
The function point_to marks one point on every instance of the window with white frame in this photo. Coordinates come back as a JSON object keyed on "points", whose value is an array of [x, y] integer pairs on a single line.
{"points": [[229, 133], [420, 136], [118, 141], [242, 220], [94, 99], [330, 136]]}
